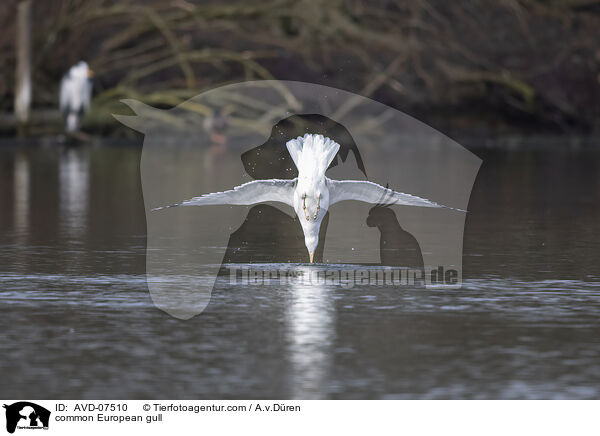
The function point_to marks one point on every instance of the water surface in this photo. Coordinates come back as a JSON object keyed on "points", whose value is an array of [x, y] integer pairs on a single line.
{"points": [[78, 320]]}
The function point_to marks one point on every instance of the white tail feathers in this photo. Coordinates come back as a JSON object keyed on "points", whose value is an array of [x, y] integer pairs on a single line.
{"points": [[312, 154]]}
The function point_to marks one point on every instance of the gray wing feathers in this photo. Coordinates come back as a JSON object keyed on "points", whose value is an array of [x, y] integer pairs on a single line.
{"points": [[87, 93], [369, 192], [257, 191]]}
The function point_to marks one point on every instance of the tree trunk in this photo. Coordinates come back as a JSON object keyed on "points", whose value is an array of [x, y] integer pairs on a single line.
{"points": [[23, 83]]}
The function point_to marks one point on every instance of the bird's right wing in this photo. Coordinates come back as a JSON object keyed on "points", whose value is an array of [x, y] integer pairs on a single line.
{"points": [[257, 191], [369, 192], [86, 94]]}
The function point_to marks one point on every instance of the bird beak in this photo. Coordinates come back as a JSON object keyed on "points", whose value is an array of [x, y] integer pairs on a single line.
{"points": [[90, 73], [311, 255]]}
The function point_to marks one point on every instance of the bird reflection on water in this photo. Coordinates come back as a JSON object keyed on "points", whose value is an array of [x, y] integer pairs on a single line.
{"points": [[309, 325]]}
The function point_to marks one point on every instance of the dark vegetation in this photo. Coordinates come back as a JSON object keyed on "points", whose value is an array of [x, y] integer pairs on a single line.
{"points": [[481, 66]]}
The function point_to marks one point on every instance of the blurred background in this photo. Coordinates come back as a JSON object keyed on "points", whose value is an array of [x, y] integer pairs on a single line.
{"points": [[515, 81], [466, 67]]}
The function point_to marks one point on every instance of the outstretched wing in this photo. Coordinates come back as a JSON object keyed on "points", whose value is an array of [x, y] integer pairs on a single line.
{"points": [[369, 192], [257, 191]]}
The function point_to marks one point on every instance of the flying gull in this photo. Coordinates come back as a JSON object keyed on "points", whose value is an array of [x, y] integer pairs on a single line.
{"points": [[311, 193]]}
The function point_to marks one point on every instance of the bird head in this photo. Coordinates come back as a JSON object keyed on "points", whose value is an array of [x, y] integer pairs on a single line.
{"points": [[311, 201], [81, 70]]}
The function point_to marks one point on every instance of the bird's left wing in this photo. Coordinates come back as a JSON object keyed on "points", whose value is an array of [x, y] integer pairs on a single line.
{"points": [[86, 94], [257, 191], [369, 192]]}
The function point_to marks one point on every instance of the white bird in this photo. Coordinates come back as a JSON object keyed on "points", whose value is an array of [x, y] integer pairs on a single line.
{"points": [[75, 94], [311, 193]]}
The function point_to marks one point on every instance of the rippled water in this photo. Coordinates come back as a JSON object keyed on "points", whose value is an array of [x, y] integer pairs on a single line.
{"points": [[78, 320]]}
